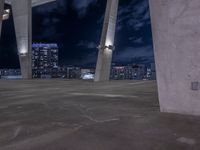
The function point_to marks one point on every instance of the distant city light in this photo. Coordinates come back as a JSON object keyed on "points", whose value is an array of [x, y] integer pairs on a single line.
{"points": [[88, 76]]}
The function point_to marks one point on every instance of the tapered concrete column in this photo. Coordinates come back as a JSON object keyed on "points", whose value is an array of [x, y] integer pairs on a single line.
{"points": [[106, 46], [1, 14], [22, 14], [176, 37]]}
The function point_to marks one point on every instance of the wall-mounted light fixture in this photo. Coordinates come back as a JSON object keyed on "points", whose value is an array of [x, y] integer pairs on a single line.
{"points": [[22, 54], [110, 47], [6, 14], [23, 46], [23, 51]]}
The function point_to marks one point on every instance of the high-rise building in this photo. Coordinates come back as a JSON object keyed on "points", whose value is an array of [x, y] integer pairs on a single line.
{"points": [[73, 72], [139, 71], [44, 60], [117, 72], [151, 72]]}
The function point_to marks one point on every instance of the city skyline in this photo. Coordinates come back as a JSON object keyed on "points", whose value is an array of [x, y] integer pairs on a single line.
{"points": [[76, 45]]}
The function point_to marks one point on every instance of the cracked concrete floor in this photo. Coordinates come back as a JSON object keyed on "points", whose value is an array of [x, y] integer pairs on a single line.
{"points": [[82, 115]]}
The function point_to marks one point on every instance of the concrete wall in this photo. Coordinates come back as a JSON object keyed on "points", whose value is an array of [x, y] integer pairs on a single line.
{"points": [[107, 39], [1, 14], [176, 36], [23, 27]]}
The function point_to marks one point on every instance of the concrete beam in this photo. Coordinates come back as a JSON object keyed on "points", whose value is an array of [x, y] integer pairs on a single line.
{"points": [[106, 46], [176, 34], [22, 14], [1, 14], [34, 2], [40, 2]]}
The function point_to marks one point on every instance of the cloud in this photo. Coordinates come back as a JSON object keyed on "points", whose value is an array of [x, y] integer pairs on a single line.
{"points": [[131, 53], [50, 20], [128, 55], [91, 58], [134, 15], [87, 44], [136, 40], [82, 5]]}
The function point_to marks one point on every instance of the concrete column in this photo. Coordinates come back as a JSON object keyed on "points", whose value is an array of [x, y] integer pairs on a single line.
{"points": [[1, 14], [22, 14], [176, 37], [106, 46]]}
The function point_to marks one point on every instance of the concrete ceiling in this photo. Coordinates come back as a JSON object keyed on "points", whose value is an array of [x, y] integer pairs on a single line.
{"points": [[34, 2]]}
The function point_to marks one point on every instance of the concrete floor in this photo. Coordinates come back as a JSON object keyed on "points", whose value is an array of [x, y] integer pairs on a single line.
{"points": [[82, 115]]}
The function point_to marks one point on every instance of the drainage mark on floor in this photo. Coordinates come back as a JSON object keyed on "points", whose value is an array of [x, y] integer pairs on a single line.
{"points": [[104, 95], [136, 83], [100, 121], [185, 140]]}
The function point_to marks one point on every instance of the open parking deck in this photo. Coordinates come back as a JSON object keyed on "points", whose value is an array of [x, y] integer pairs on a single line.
{"points": [[83, 115]]}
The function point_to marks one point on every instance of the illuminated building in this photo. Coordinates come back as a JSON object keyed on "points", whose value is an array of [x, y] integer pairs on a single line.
{"points": [[44, 60], [130, 72]]}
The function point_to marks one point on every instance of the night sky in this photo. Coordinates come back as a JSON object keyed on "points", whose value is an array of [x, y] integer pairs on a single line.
{"points": [[75, 25]]}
